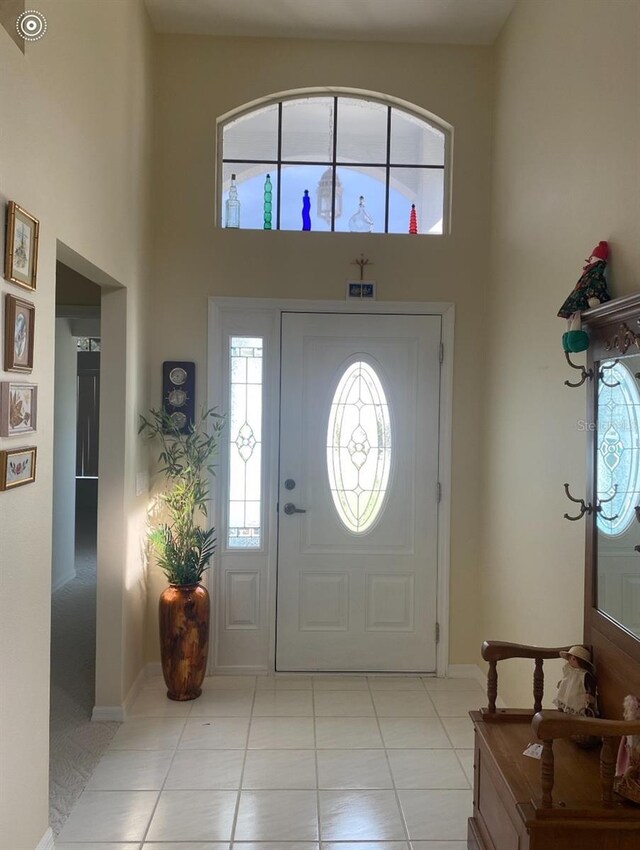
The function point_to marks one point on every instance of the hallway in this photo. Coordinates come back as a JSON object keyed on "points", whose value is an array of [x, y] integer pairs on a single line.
{"points": [[76, 743], [286, 763]]}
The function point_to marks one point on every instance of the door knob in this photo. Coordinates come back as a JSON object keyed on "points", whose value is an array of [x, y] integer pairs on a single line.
{"points": [[290, 508]]}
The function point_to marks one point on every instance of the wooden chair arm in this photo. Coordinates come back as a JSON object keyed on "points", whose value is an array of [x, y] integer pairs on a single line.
{"points": [[498, 650], [548, 724]]}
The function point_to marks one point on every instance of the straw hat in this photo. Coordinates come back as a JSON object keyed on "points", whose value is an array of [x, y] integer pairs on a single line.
{"points": [[579, 652]]}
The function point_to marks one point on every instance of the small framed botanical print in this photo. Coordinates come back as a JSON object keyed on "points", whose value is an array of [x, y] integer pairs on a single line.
{"points": [[21, 252], [18, 408], [17, 467], [19, 327]]}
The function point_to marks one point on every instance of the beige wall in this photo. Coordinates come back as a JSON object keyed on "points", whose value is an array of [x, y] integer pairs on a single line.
{"points": [[201, 78], [566, 174], [74, 148]]}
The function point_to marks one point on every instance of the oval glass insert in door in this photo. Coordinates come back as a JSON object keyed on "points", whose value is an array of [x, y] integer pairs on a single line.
{"points": [[359, 447], [617, 448]]}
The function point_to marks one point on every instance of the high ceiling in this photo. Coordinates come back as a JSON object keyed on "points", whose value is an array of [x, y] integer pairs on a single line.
{"points": [[421, 21]]}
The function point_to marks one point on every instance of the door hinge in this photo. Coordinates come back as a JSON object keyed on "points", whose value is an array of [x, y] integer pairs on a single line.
{"points": [[438, 492], [442, 352], [437, 632]]}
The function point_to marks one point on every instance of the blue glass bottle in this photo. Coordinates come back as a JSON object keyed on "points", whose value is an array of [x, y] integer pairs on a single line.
{"points": [[306, 211]]}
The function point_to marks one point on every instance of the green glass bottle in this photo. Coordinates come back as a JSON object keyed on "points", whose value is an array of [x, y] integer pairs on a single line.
{"points": [[268, 194]]}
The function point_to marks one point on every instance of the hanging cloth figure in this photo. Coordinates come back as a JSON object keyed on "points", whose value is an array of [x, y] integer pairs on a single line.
{"points": [[589, 291]]}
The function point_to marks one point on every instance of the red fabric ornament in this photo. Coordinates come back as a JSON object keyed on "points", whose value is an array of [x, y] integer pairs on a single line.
{"points": [[413, 220], [601, 251]]}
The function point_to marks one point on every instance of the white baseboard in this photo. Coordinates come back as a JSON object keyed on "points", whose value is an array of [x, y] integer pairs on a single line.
{"points": [[119, 713], [47, 841], [134, 690], [240, 670], [107, 713], [471, 671], [467, 671], [153, 668]]}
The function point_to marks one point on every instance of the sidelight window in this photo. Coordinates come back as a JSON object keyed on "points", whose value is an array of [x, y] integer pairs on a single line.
{"points": [[245, 443]]}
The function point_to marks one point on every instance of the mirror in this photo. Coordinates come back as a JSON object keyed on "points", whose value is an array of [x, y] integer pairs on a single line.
{"points": [[617, 489]]}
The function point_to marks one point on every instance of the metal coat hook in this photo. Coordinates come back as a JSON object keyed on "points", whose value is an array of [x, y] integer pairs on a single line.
{"points": [[588, 509], [586, 374], [601, 375], [584, 507], [602, 502]]}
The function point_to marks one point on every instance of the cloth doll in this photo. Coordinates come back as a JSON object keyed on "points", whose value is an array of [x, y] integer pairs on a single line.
{"points": [[591, 288], [627, 781], [577, 690]]}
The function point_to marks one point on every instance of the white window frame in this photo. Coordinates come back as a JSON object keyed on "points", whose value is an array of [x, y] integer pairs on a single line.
{"points": [[250, 647]]}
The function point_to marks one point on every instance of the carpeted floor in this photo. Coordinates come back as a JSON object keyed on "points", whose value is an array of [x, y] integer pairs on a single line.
{"points": [[76, 744]]}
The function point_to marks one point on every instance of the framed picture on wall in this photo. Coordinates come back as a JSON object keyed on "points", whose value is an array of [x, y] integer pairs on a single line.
{"points": [[17, 467], [21, 247], [19, 328], [18, 408]]}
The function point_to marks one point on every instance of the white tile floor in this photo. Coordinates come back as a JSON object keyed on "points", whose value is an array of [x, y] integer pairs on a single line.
{"points": [[286, 763]]}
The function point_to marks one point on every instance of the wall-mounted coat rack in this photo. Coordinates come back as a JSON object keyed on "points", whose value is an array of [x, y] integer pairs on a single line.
{"points": [[588, 509], [587, 374]]}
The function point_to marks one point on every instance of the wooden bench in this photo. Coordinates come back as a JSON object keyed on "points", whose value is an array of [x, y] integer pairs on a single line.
{"points": [[565, 801]]}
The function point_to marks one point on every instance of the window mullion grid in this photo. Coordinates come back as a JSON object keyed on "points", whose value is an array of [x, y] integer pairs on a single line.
{"points": [[329, 163], [334, 164], [279, 190], [387, 173]]}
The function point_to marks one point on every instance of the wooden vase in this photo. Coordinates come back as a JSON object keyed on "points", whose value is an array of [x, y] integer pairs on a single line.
{"points": [[184, 639]]}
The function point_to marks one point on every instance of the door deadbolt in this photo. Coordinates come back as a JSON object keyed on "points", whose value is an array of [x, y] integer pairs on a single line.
{"points": [[289, 484]]}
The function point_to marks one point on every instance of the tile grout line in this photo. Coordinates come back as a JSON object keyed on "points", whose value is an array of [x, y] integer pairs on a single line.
{"points": [[254, 695], [453, 747], [386, 755], [164, 781], [234, 822], [315, 756]]}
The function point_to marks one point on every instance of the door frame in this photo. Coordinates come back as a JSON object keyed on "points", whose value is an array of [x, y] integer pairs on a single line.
{"points": [[227, 315]]}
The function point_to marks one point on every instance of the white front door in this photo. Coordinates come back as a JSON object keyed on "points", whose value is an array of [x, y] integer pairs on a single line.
{"points": [[359, 419]]}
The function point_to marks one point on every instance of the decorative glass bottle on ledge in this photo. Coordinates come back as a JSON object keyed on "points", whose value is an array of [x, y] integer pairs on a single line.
{"points": [[413, 220], [268, 194], [306, 211], [232, 206], [361, 221]]}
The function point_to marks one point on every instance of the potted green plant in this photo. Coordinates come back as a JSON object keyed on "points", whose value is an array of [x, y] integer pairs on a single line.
{"points": [[182, 546]]}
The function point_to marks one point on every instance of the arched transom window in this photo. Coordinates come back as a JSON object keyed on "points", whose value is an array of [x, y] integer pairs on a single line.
{"points": [[333, 163]]}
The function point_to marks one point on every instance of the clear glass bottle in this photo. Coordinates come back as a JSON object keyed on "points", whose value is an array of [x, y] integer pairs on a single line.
{"points": [[361, 221], [232, 206]]}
